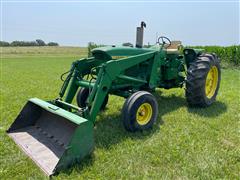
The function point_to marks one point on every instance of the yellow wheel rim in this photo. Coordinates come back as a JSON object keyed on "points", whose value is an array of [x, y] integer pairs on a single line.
{"points": [[211, 82], [144, 113]]}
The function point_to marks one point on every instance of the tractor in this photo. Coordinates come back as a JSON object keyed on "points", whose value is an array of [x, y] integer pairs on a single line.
{"points": [[56, 133]]}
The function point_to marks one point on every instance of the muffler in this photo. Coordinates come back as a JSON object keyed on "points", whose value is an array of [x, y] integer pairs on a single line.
{"points": [[51, 136]]}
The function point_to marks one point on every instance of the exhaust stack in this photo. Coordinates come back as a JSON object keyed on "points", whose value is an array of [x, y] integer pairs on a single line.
{"points": [[139, 38]]}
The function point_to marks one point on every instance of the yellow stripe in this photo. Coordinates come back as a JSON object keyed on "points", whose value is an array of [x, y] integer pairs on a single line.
{"points": [[119, 57]]}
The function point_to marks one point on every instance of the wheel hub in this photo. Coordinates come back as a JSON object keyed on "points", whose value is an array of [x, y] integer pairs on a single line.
{"points": [[211, 82], [144, 113]]}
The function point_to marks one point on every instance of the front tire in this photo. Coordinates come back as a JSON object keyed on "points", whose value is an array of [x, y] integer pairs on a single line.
{"points": [[139, 111], [203, 80], [82, 96]]}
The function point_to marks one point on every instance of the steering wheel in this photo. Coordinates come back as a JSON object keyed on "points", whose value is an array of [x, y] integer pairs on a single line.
{"points": [[162, 40]]}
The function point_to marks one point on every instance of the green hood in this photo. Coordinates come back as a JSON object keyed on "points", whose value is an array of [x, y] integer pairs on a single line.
{"points": [[117, 52]]}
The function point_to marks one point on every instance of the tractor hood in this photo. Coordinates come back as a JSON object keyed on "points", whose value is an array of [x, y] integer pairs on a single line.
{"points": [[118, 52]]}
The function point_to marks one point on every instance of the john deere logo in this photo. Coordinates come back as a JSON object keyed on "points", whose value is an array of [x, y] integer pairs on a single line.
{"points": [[119, 57]]}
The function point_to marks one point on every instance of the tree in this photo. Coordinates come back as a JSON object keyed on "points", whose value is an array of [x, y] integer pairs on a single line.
{"points": [[128, 44], [24, 43], [4, 44], [40, 42], [91, 45], [53, 44]]}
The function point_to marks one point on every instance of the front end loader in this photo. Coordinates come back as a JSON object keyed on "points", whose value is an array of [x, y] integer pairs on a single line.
{"points": [[55, 134]]}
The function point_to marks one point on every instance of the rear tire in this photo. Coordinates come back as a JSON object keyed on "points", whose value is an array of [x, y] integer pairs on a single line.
{"points": [[82, 98], [139, 111], [203, 80]]}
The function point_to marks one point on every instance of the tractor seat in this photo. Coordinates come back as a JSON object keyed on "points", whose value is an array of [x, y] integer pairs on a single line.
{"points": [[174, 47]]}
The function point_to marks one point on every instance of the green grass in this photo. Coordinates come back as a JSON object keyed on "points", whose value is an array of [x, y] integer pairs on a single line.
{"points": [[44, 51], [185, 143]]}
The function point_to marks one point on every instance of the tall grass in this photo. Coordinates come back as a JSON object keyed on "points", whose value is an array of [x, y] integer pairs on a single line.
{"points": [[92, 45], [227, 55]]}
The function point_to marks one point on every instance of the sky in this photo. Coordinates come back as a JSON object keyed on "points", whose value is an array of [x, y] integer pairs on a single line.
{"points": [[77, 23]]}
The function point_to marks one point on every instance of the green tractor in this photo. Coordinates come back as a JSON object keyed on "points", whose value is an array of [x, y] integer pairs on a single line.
{"points": [[55, 134]]}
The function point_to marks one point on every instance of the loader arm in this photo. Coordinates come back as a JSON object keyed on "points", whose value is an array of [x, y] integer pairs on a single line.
{"points": [[78, 69], [107, 74]]}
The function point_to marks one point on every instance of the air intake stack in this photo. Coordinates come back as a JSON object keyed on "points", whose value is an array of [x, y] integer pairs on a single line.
{"points": [[139, 39]]}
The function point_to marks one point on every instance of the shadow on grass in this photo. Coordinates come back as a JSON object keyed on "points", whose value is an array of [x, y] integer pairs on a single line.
{"points": [[216, 109], [167, 104], [173, 102], [77, 166], [110, 131]]}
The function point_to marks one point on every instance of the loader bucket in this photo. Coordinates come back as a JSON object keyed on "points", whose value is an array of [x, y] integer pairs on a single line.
{"points": [[51, 136]]}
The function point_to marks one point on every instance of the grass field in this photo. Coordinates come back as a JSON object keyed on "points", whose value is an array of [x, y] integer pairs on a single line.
{"points": [[185, 143]]}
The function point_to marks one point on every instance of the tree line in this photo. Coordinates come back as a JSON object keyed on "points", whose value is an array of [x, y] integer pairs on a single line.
{"points": [[37, 42]]}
